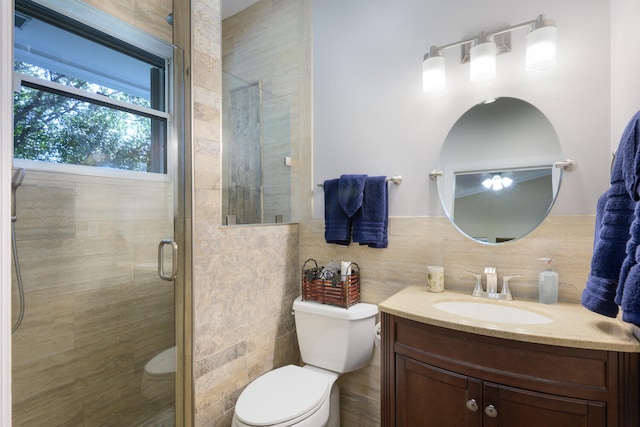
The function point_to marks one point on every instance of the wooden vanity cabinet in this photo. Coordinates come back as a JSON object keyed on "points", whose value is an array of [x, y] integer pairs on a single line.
{"points": [[433, 376]]}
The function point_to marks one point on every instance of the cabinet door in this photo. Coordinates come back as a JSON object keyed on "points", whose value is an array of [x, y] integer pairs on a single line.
{"points": [[523, 408], [428, 396]]}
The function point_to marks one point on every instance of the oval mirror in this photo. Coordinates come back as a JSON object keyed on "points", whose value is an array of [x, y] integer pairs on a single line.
{"points": [[498, 178]]}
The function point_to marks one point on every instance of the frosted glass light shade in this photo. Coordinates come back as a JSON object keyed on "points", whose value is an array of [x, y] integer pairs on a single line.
{"points": [[433, 74], [541, 48], [483, 62]]}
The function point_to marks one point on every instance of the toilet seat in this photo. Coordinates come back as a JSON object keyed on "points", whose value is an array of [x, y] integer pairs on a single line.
{"points": [[162, 363], [303, 391]]}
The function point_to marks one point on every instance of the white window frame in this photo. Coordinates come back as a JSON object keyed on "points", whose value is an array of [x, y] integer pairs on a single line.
{"points": [[120, 30]]}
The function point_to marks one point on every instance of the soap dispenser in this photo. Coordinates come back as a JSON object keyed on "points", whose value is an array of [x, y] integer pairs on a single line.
{"points": [[548, 281]]}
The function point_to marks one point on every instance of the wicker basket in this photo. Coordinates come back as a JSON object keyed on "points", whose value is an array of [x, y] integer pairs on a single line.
{"points": [[330, 290]]}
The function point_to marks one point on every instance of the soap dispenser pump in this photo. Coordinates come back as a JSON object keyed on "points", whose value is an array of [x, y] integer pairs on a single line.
{"points": [[548, 281]]}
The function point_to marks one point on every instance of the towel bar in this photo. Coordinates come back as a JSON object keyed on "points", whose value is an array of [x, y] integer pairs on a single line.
{"points": [[568, 165], [396, 179]]}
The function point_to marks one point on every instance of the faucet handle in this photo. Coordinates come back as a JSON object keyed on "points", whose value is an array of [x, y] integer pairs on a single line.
{"points": [[478, 288], [505, 285]]}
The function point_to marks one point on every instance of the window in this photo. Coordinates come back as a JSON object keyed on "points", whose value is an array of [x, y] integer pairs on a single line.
{"points": [[84, 97]]}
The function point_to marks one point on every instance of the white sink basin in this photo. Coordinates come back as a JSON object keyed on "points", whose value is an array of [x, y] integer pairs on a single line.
{"points": [[492, 312]]}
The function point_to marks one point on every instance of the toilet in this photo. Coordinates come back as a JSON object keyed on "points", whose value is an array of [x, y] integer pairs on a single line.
{"points": [[332, 341], [159, 376]]}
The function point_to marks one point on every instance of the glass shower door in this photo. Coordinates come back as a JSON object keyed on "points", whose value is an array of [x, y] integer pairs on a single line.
{"points": [[96, 135], [96, 346]]}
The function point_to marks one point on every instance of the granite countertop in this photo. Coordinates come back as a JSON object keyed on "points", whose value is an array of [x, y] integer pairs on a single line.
{"points": [[571, 325]]}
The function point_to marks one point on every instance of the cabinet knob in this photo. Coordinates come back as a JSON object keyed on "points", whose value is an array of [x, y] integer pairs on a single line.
{"points": [[472, 405], [491, 411]]}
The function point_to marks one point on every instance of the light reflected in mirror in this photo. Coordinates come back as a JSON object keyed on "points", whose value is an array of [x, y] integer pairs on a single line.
{"points": [[511, 201], [498, 178]]}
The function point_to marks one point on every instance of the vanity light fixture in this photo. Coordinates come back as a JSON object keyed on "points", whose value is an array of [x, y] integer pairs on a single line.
{"points": [[541, 44], [482, 50], [483, 59], [497, 182], [433, 73]]}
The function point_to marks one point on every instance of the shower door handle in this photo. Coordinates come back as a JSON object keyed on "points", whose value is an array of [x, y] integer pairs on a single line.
{"points": [[174, 260]]}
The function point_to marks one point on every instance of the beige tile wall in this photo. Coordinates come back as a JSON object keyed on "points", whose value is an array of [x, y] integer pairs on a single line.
{"points": [[96, 311], [245, 277], [147, 15], [271, 42], [415, 243]]}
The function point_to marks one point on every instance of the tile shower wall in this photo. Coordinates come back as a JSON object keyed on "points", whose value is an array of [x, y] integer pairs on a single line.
{"points": [[246, 277], [147, 15], [415, 243], [270, 42], [96, 311]]}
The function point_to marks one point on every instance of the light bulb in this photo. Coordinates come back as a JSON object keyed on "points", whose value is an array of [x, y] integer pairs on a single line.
{"points": [[433, 72], [483, 60], [541, 45], [497, 183]]}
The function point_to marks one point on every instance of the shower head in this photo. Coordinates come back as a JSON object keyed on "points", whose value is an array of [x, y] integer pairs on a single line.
{"points": [[18, 177], [16, 181]]}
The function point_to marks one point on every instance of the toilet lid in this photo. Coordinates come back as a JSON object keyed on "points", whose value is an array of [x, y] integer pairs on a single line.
{"points": [[281, 395]]}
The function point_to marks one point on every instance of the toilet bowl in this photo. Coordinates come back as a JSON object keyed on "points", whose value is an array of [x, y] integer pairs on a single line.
{"points": [[332, 341], [158, 378], [307, 393]]}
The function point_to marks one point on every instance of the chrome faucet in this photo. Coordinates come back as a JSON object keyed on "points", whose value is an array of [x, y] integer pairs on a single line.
{"points": [[492, 285], [492, 280]]}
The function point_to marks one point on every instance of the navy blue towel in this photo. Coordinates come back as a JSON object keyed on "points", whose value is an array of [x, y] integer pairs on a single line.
{"points": [[337, 225], [628, 293], [370, 223], [351, 193], [615, 277], [613, 216]]}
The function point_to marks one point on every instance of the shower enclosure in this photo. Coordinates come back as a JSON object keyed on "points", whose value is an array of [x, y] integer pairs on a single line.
{"points": [[96, 311], [96, 346], [256, 157]]}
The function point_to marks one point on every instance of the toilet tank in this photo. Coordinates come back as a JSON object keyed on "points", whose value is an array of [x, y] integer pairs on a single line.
{"points": [[335, 338]]}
